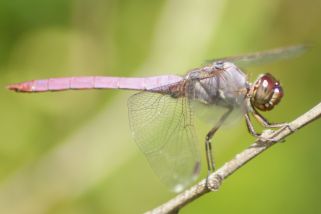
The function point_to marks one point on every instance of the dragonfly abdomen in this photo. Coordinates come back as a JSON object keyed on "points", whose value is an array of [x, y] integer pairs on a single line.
{"points": [[94, 82]]}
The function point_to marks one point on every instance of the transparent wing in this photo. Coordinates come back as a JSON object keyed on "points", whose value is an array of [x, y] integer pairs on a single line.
{"points": [[265, 56], [212, 113], [162, 128]]}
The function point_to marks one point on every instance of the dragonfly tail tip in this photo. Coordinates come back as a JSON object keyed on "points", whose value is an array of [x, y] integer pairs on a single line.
{"points": [[13, 87]]}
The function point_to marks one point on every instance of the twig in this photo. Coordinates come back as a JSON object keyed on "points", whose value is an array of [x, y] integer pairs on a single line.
{"points": [[216, 178]]}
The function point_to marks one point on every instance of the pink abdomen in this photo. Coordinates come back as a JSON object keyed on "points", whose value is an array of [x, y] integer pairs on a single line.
{"points": [[95, 82]]}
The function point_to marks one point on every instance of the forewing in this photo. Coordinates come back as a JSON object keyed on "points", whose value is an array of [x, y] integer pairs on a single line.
{"points": [[162, 128], [264, 57]]}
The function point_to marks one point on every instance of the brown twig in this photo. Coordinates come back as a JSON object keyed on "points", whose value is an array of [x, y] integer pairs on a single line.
{"points": [[216, 178]]}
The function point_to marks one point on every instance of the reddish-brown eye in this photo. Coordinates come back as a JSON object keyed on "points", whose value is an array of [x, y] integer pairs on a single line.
{"points": [[266, 93]]}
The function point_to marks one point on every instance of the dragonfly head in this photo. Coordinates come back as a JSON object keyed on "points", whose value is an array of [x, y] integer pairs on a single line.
{"points": [[266, 92]]}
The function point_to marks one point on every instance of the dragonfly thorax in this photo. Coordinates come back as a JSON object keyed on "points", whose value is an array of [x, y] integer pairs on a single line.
{"points": [[226, 85]]}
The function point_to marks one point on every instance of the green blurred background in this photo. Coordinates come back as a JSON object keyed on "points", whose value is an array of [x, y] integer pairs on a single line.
{"points": [[72, 152]]}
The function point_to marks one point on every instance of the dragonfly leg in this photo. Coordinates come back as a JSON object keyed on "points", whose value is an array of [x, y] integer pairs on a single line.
{"points": [[251, 129], [208, 145], [250, 126], [264, 122]]}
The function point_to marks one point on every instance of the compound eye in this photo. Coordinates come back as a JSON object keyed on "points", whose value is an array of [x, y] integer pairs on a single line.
{"points": [[267, 92], [267, 84]]}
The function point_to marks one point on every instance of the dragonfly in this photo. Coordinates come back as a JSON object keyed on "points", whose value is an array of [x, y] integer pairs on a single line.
{"points": [[161, 116]]}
